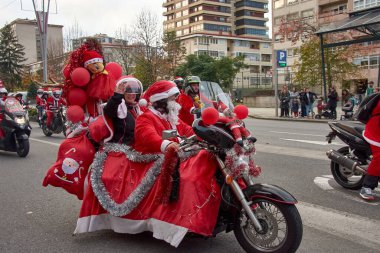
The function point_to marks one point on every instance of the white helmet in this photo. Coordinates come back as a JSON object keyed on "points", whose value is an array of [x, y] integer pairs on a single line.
{"points": [[3, 90]]}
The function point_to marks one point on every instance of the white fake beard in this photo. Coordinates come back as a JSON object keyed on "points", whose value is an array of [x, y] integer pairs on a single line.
{"points": [[173, 108]]}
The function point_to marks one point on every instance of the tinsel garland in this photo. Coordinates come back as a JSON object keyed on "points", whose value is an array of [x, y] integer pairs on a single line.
{"points": [[239, 160], [141, 190]]}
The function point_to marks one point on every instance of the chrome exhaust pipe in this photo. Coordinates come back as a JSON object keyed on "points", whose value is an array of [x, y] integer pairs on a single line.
{"points": [[344, 161]]}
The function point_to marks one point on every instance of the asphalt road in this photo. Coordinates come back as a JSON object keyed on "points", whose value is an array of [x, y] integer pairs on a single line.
{"points": [[38, 219]]}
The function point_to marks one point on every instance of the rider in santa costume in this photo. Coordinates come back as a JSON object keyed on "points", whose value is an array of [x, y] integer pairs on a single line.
{"points": [[127, 188], [372, 135]]}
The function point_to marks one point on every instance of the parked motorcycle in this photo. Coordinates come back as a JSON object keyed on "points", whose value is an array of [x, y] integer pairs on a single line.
{"points": [[349, 164], [15, 127], [58, 124]]}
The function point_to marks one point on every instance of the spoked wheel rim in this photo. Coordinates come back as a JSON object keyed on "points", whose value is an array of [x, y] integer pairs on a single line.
{"points": [[275, 229]]}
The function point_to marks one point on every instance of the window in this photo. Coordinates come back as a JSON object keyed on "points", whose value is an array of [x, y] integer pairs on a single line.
{"points": [[278, 38], [252, 31], [279, 4], [291, 2], [364, 4], [307, 14], [278, 20], [266, 45], [212, 27], [292, 16], [253, 22], [290, 52], [374, 61]]}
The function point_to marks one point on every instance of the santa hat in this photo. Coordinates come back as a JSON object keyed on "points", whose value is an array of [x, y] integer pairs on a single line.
{"points": [[91, 57], [160, 90]]}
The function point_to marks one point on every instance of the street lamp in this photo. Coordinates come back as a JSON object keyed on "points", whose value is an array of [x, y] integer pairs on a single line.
{"points": [[42, 13]]}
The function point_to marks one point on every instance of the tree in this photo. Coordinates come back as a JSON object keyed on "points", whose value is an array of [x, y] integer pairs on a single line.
{"points": [[222, 70], [32, 91], [174, 52], [11, 58], [124, 52], [308, 68], [74, 31]]}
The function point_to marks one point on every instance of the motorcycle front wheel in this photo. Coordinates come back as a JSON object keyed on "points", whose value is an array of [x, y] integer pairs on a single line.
{"points": [[46, 131], [282, 228], [23, 147], [345, 177]]}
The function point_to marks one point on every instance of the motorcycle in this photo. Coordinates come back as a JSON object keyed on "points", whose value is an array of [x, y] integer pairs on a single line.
{"points": [[58, 124], [263, 217], [15, 127], [349, 164]]}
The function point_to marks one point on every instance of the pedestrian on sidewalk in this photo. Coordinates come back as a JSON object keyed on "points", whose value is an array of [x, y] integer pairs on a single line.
{"points": [[295, 107], [284, 97], [332, 101], [370, 89]]}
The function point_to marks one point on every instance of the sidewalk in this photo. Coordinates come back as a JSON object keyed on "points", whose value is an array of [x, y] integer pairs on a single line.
{"points": [[269, 113]]}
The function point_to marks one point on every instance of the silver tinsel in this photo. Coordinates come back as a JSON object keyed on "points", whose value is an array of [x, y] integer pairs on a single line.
{"points": [[141, 190]]}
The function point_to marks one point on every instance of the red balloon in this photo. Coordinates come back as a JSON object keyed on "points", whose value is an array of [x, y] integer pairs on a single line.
{"points": [[77, 96], [115, 69], [241, 111], [75, 114], [66, 71], [80, 76], [210, 116]]}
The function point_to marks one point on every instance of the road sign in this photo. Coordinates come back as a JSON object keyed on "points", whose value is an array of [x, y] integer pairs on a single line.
{"points": [[281, 58]]}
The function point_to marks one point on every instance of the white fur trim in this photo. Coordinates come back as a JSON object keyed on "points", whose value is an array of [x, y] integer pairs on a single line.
{"points": [[164, 144], [122, 110], [372, 142], [86, 63], [76, 131], [168, 232], [143, 102], [162, 95]]}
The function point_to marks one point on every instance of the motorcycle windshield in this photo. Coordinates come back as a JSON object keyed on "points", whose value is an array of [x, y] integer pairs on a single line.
{"points": [[212, 95], [13, 106]]}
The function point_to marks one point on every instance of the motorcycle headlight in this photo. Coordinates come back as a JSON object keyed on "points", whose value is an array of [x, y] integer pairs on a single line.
{"points": [[20, 120]]}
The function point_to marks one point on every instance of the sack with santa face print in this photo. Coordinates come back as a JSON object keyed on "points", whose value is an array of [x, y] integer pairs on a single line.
{"points": [[74, 157]]}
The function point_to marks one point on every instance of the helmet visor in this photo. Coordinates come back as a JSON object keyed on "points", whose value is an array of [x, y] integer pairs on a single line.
{"points": [[133, 86]]}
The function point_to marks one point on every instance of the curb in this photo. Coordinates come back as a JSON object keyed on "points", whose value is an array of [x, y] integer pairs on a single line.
{"points": [[290, 119]]}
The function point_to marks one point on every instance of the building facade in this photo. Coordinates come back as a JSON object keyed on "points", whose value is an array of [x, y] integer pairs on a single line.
{"points": [[225, 28], [114, 50], [322, 13], [28, 35]]}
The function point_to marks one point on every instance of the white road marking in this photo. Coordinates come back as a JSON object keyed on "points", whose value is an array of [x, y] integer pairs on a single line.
{"points": [[327, 183], [288, 151], [349, 226], [45, 142], [323, 143], [317, 135]]}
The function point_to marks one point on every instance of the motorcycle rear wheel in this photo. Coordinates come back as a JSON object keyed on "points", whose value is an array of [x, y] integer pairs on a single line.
{"points": [[23, 147], [282, 228], [343, 176]]}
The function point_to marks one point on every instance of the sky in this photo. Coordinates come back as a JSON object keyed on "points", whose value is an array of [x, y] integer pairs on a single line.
{"points": [[93, 16]]}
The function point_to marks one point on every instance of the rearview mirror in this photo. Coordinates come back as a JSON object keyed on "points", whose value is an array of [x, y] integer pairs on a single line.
{"points": [[167, 134]]}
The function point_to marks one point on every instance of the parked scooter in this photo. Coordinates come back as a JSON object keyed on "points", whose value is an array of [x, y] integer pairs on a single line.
{"points": [[349, 164], [15, 128]]}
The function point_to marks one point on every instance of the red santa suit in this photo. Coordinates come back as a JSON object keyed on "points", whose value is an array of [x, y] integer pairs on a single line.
{"points": [[199, 198], [53, 103], [372, 135]]}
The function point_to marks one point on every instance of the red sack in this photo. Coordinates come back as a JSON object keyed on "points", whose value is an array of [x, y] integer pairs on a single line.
{"points": [[101, 129], [74, 157]]}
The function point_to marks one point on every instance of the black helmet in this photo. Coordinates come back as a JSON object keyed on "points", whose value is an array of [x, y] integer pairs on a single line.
{"points": [[179, 82], [18, 95]]}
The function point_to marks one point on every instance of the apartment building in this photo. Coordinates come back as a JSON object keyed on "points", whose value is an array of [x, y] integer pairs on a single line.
{"points": [[325, 12], [28, 35], [284, 11], [225, 28]]}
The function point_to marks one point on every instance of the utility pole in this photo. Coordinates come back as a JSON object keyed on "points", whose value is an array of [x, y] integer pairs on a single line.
{"points": [[41, 8]]}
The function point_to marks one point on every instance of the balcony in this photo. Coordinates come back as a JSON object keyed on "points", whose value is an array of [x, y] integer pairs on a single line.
{"points": [[330, 17], [328, 2], [167, 3]]}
